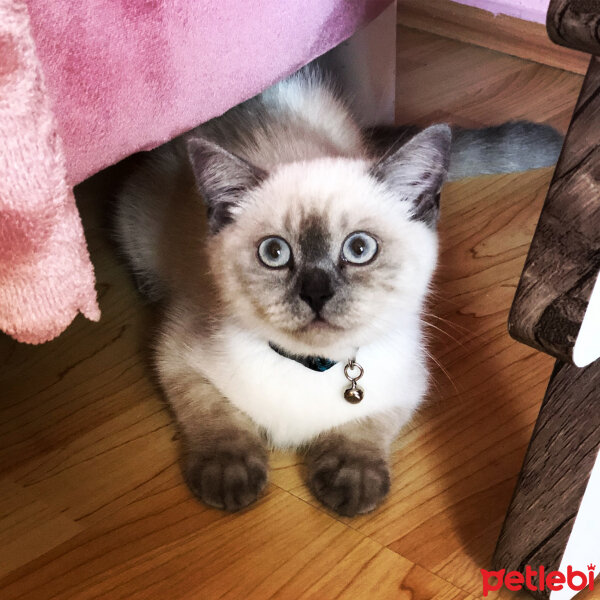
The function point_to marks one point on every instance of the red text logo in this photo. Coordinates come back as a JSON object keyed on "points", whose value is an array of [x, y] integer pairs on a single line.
{"points": [[552, 580]]}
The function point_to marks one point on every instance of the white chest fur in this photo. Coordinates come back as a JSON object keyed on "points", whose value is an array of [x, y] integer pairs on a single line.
{"points": [[294, 403]]}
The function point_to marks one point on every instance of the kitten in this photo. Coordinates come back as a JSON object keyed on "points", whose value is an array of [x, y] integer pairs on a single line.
{"points": [[284, 244]]}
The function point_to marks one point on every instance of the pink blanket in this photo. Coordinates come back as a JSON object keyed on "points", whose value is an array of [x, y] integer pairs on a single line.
{"points": [[84, 84]]}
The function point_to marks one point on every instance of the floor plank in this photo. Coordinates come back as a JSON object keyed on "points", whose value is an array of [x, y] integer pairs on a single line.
{"points": [[166, 545], [29, 527]]}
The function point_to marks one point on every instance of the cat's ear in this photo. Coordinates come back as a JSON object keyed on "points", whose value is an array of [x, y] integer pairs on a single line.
{"points": [[222, 178], [417, 171]]}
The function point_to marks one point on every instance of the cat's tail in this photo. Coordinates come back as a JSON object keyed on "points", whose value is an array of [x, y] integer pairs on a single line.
{"points": [[507, 148]]}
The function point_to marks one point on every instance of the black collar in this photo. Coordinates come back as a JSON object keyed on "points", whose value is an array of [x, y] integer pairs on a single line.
{"points": [[316, 363]]}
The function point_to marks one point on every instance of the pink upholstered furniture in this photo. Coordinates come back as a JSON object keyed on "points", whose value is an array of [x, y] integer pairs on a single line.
{"points": [[84, 84]]}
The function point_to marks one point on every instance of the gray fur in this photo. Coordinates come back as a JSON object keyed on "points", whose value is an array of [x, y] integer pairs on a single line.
{"points": [[348, 468], [267, 130], [417, 170], [222, 179], [224, 460], [507, 148]]}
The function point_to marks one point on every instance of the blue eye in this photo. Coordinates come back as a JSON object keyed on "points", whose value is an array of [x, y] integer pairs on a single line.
{"points": [[274, 252], [359, 248]]}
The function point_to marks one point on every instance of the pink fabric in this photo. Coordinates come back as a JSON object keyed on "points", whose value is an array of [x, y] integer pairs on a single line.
{"points": [[86, 83], [46, 277], [125, 75]]}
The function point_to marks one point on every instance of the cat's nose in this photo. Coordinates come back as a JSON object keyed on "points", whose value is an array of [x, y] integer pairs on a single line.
{"points": [[315, 288]]}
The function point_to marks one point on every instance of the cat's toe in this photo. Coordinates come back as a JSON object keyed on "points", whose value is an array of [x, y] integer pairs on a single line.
{"points": [[349, 484], [225, 480]]}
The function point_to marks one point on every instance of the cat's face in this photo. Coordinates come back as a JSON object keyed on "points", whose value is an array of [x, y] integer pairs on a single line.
{"points": [[323, 257]]}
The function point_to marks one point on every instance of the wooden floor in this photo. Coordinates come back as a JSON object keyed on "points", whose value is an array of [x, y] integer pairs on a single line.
{"points": [[92, 504]]}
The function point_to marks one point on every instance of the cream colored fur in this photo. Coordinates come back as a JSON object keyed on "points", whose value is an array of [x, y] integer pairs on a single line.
{"points": [[223, 308]]}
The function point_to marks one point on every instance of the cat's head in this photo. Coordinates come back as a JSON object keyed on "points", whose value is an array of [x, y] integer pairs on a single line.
{"points": [[321, 257]]}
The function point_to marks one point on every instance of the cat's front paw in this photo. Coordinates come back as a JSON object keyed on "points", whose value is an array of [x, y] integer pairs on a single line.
{"points": [[349, 482], [229, 478]]}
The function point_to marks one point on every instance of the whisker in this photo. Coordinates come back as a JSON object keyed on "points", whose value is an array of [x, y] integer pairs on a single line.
{"points": [[444, 371], [456, 326], [444, 332]]}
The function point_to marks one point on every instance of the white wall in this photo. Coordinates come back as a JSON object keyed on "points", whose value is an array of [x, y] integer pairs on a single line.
{"points": [[529, 10]]}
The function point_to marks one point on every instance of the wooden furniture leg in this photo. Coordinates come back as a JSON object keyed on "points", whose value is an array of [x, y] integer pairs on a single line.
{"points": [[553, 518]]}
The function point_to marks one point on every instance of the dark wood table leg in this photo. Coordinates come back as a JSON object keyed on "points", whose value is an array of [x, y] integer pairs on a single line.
{"points": [[564, 257], [562, 455]]}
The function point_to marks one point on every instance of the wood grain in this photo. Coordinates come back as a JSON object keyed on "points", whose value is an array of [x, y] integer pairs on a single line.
{"points": [[564, 258], [575, 24], [94, 503], [497, 32], [555, 473], [432, 87]]}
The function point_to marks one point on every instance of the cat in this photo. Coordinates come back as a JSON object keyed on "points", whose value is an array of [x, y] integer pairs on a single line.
{"points": [[290, 248]]}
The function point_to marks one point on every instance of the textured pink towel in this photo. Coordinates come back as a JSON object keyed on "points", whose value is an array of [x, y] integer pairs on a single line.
{"points": [[85, 83], [46, 276]]}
